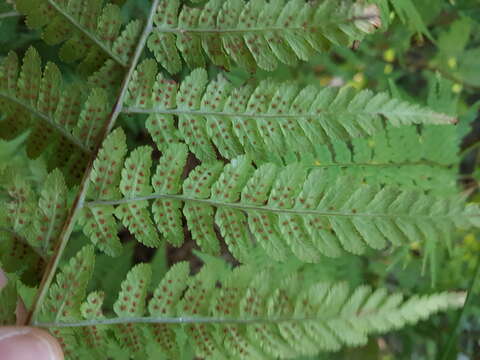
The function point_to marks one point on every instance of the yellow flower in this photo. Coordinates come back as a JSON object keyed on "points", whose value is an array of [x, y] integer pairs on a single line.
{"points": [[389, 55]]}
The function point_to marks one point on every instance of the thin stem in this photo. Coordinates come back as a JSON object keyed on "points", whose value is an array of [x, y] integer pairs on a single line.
{"points": [[136, 57], [230, 31], [51, 122], [170, 320], [319, 112], [377, 165], [259, 208], [78, 203], [470, 148], [248, 30], [87, 33], [9, 14], [453, 334]]}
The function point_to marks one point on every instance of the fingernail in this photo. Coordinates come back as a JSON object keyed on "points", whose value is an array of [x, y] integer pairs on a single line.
{"points": [[3, 280], [24, 343]]}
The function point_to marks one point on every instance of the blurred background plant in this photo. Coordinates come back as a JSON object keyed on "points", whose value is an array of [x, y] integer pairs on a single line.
{"points": [[429, 53]]}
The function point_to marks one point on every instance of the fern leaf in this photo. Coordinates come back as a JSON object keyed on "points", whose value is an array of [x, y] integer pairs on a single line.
{"points": [[164, 303], [18, 256], [57, 115], [200, 216], [108, 165], [51, 213], [8, 302], [251, 314], [20, 209], [289, 209], [405, 156], [131, 303], [96, 337], [62, 304], [167, 213], [31, 218], [136, 182], [269, 118], [79, 24], [44, 104], [231, 222], [99, 224], [108, 76], [255, 33]]}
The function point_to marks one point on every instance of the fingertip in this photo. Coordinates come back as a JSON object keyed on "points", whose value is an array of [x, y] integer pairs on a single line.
{"points": [[25, 343]]}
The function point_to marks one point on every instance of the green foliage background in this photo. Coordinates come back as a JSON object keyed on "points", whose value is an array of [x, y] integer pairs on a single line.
{"points": [[429, 55]]}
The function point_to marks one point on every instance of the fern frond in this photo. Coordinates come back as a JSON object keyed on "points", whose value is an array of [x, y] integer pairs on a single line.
{"points": [[131, 303], [422, 159], [58, 114], [63, 304], [267, 119], [19, 257], [99, 224], [8, 302], [79, 24], [65, 297], [247, 313], [34, 217], [255, 33], [284, 209]]}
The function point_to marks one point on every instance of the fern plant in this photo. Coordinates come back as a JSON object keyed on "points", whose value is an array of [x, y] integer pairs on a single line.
{"points": [[265, 170]]}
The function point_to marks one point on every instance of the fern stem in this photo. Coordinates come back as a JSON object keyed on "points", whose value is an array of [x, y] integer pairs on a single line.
{"points": [[231, 31], [79, 201], [471, 289], [49, 121], [133, 110], [87, 33], [377, 165], [9, 14], [171, 320], [267, 209], [247, 30]]}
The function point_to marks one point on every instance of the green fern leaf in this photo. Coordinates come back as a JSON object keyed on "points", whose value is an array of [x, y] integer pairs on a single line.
{"points": [[99, 224], [8, 301], [164, 303], [131, 303], [20, 209], [51, 213], [92, 118], [269, 118], [167, 179], [19, 257], [230, 221], [108, 76], [65, 305], [408, 157], [136, 182], [96, 337], [107, 167], [289, 209], [255, 33], [35, 219], [57, 114], [200, 216], [79, 24], [251, 314]]}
